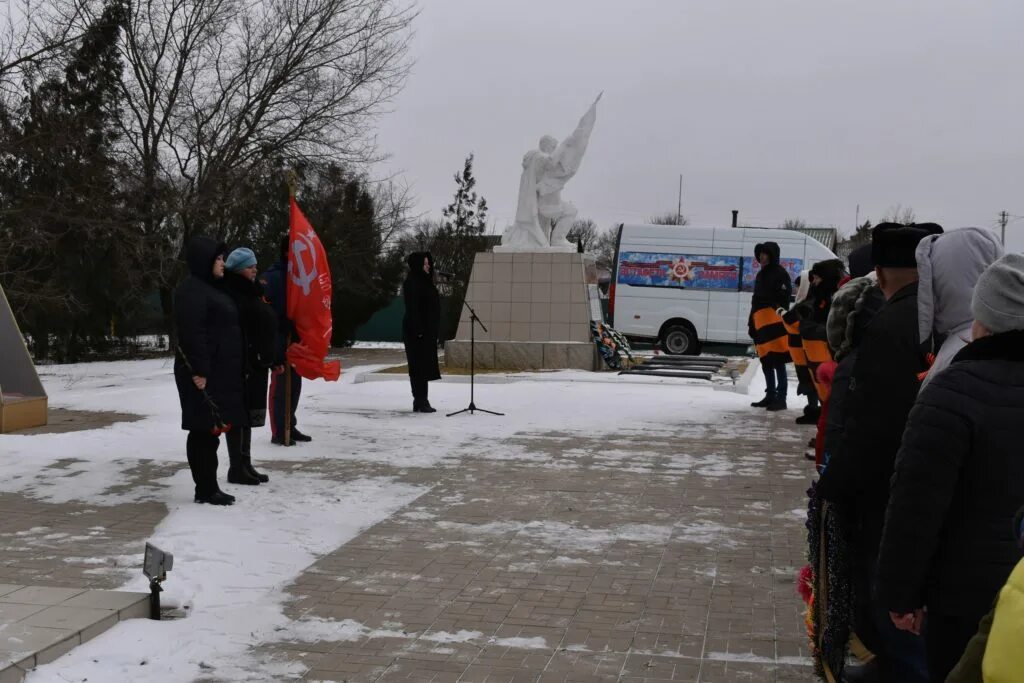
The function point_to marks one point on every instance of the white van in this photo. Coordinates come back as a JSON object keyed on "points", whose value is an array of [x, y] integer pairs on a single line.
{"points": [[683, 286]]}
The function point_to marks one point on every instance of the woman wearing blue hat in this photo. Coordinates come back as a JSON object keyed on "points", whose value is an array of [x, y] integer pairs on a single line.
{"points": [[259, 331]]}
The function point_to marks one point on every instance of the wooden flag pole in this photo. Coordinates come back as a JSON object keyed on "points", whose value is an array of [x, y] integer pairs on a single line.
{"points": [[287, 394], [292, 180]]}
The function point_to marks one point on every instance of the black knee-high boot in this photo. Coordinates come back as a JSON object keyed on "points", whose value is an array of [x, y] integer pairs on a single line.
{"points": [[237, 472], [420, 404], [247, 456]]}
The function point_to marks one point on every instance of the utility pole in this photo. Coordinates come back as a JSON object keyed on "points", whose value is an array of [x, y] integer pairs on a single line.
{"points": [[1003, 220], [679, 209], [856, 221]]}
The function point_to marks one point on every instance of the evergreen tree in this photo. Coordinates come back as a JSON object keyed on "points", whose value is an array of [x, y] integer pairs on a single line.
{"points": [[65, 191], [342, 209], [456, 243]]}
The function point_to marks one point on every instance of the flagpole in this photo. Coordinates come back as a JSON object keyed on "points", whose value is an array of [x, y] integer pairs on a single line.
{"points": [[291, 178]]}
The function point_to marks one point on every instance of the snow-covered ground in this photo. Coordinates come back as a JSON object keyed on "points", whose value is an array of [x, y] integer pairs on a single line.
{"points": [[232, 565]]}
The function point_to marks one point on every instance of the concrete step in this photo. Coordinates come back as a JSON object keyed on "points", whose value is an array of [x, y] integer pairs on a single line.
{"points": [[38, 624]]}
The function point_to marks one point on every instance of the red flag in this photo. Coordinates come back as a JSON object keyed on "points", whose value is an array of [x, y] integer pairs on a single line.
{"points": [[309, 301]]}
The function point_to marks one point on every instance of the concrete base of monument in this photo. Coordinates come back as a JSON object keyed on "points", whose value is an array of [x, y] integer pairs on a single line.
{"points": [[519, 355], [535, 308]]}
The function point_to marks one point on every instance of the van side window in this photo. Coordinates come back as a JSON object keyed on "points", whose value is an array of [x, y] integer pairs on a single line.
{"points": [[679, 271], [794, 266]]}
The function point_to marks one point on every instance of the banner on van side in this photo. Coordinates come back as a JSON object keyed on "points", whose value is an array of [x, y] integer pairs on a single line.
{"points": [[685, 271], [695, 271], [794, 266]]}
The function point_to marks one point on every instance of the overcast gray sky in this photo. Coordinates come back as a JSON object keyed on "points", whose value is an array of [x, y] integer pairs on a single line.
{"points": [[781, 109]]}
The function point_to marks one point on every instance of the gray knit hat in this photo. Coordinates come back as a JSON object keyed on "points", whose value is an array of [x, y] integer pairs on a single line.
{"points": [[999, 295]]}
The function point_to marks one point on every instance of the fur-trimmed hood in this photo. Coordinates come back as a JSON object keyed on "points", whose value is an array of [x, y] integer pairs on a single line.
{"points": [[853, 307]]}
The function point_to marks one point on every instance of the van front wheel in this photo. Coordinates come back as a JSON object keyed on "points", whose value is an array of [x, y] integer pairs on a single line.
{"points": [[679, 340]]}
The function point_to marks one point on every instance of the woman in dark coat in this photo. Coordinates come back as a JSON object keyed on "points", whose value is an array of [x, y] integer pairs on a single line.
{"points": [[420, 327], [208, 364], [259, 330]]}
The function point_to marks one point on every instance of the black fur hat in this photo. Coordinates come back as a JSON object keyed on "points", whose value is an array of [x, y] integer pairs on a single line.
{"points": [[895, 246], [860, 261]]}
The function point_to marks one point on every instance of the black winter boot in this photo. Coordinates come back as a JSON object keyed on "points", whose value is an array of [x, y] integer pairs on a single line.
{"points": [[247, 464], [764, 402], [298, 436], [777, 405], [807, 419], [238, 474], [215, 498], [247, 457]]}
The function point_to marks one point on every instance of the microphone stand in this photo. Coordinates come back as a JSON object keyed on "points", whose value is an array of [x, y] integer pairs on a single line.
{"points": [[472, 409]]}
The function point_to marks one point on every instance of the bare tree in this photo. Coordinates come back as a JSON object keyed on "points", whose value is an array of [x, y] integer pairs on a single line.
{"points": [[899, 214], [794, 224], [31, 41], [669, 218], [604, 249], [214, 90], [289, 78], [583, 231]]}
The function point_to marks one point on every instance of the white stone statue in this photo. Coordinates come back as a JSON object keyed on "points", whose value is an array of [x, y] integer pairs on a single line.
{"points": [[542, 218]]}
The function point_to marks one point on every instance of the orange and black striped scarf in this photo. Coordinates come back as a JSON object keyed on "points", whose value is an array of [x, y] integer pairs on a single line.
{"points": [[770, 336]]}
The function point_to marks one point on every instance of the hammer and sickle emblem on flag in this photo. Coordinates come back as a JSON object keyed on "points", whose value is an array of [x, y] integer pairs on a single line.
{"points": [[304, 278]]}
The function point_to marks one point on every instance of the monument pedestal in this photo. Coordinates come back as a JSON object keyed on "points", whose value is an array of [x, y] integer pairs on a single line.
{"points": [[537, 307]]}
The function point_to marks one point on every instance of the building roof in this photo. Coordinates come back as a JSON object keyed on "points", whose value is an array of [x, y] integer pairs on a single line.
{"points": [[827, 236]]}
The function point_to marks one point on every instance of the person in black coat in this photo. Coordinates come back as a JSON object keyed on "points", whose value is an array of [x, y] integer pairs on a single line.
{"points": [[208, 364], [420, 327], [853, 308], [773, 289], [259, 329], [948, 543], [882, 391]]}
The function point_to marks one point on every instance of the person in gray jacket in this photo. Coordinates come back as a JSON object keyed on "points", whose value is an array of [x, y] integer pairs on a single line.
{"points": [[949, 266]]}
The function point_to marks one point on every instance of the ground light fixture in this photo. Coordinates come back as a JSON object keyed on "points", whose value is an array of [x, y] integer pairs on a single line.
{"points": [[155, 565]]}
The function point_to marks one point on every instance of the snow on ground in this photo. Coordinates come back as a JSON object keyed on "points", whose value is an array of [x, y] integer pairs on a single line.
{"points": [[232, 565], [391, 346]]}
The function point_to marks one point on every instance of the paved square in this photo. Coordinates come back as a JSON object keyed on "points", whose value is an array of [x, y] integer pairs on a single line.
{"points": [[583, 565], [654, 551]]}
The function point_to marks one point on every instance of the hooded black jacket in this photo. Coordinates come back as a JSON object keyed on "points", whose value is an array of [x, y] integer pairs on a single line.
{"points": [[210, 338], [422, 321], [950, 538], [773, 288]]}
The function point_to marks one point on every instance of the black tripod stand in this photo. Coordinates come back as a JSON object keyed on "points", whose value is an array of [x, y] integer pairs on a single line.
{"points": [[473, 320]]}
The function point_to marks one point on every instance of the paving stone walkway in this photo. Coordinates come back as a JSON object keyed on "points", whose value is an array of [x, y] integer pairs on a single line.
{"points": [[666, 555], [596, 560]]}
